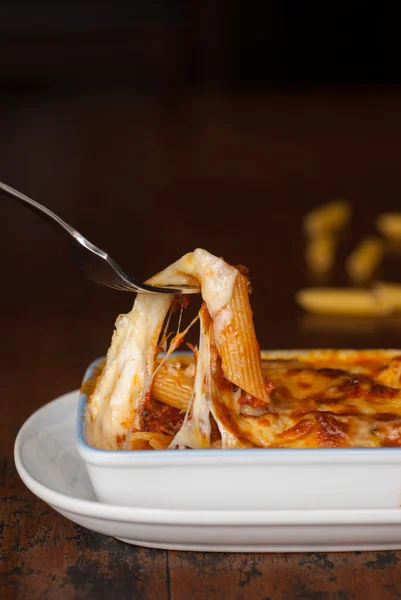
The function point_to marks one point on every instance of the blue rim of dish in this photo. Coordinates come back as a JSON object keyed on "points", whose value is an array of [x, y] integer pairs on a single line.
{"points": [[85, 447]]}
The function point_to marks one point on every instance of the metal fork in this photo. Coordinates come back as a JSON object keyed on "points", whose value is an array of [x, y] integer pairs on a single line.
{"points": [[95, 263]]}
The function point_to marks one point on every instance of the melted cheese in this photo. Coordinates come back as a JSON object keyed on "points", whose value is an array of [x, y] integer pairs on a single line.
{"points": [[315, 405], [196, 429], [216, 278], [207, 401], [115, 407]]}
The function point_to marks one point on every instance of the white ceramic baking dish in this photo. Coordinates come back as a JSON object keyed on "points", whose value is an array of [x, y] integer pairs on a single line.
{"points": [[244, 479]]}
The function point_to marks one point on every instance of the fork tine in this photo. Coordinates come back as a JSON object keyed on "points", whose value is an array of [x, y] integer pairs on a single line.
{"points": [[120, 287]]}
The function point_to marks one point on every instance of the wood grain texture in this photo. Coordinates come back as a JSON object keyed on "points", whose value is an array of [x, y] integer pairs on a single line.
{"points": [[46, 556], [303, 576], [148, 179]]}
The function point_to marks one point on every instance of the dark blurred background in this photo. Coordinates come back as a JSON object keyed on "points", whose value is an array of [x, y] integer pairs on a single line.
{"points": [[156, 127], [176, 43], [230, 42]]}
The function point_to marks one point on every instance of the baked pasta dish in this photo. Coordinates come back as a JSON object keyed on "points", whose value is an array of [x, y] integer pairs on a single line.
{"points": [[224, 393]]}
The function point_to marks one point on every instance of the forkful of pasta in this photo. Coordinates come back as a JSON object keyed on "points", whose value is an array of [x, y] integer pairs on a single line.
{"points": [[96, 264], [228, 364]]}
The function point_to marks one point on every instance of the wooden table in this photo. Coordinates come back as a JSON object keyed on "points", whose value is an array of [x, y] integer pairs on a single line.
{"points": [[149, 178]]}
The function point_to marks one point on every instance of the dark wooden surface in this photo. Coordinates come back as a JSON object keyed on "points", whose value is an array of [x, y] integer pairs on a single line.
{"points": [[148, 179]]}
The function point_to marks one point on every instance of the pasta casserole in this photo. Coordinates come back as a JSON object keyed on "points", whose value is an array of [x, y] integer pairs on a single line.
{"points": [[225, 393]]}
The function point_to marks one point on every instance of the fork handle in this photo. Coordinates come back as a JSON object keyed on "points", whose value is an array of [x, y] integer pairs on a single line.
{"points": [[39, 209]]}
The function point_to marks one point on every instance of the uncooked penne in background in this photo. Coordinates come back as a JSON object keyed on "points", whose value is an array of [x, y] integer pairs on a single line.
{"points": [[328, 218], [343, 301], [364, 260], [338, 324], [320, 253], [390, 292], [389, 224]]}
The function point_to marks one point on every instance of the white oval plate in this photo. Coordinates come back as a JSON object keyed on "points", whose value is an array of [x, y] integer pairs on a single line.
{"points": [[48, 463]]}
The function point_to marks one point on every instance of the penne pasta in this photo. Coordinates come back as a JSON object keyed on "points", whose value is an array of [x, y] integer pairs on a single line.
{"points": [[391, 293], [148, 440], [389, 224], [229, 308], [173, 385], [238, 347], [331, 217], [343, 301], [320, 253], [364, 260]]}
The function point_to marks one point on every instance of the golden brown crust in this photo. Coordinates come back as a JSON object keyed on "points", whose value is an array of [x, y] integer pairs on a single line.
{"points": [[331, 399]]}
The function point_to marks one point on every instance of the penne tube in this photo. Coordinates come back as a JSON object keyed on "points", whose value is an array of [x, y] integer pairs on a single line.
{"points": [[389, 224], [343, 301], [320, 253], [362, 263], [331, 217], [390, 292], [173, 386], [149, 440], [238, 347]]}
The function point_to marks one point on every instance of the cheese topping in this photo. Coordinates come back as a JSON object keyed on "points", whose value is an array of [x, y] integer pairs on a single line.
{"points": [[115, 407]]}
